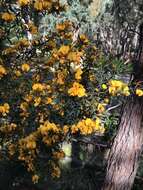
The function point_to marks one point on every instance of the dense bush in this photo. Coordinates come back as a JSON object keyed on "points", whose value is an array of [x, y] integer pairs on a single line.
{"points": [[53, 86]]}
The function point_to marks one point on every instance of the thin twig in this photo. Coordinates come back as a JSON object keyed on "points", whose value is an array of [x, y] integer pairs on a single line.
{"points": [[113, 107]]}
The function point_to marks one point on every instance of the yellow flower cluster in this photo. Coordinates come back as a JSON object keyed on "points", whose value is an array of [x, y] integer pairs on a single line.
{"points": [[38, 87], [35, 178], [30, 141], [56, 172], [47, 127], [139, 92], [75, 56], [77, 90], [8, 128], [118, 87], [58, 155], [25, 67], [37, 101], [64, 50], [61, 26], [44, 4], [61, 77], [50, 133], [4, 109], [78, 74], [8, 17], [88, 126], [2, 71], [65, 53], [27, 147], [23, 2]]}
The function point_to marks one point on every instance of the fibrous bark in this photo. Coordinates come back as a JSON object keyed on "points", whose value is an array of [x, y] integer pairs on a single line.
{"points": [[126, 149]]}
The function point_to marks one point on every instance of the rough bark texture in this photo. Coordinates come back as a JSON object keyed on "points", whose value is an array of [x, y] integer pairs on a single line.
{"points": [[126, 149]]}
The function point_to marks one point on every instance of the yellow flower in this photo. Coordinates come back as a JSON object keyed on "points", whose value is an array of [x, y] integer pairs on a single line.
{"points": [[106, 100], [38, 87], [77, 90], [28, 98], [37, 101], [96, 89], [104, 86], [18, 73], [8, 128], [78, 74], [4, 109], [8, 17], [116, 87], [23, 2], [56, 172], [46, 127], [112, 90], [75, 57], [64, 50], [83, 38], [2, 71], [32, 28], [47, 4], [48, 101], [92, 77], [58, 155], [31, 144], [139, 92], [116, 83], [65, 129], [24, 106], [25, 67], [100, 108], [60, 26], [60, 78], [35, 178], [126, 91], [88, 126], [38, 5]]}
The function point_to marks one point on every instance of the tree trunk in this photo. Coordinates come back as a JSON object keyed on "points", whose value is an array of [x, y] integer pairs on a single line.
{"points": [[126, 149]]}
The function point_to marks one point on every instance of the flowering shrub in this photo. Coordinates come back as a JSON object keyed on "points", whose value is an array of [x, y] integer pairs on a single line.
{"points": [[51, 87]]}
